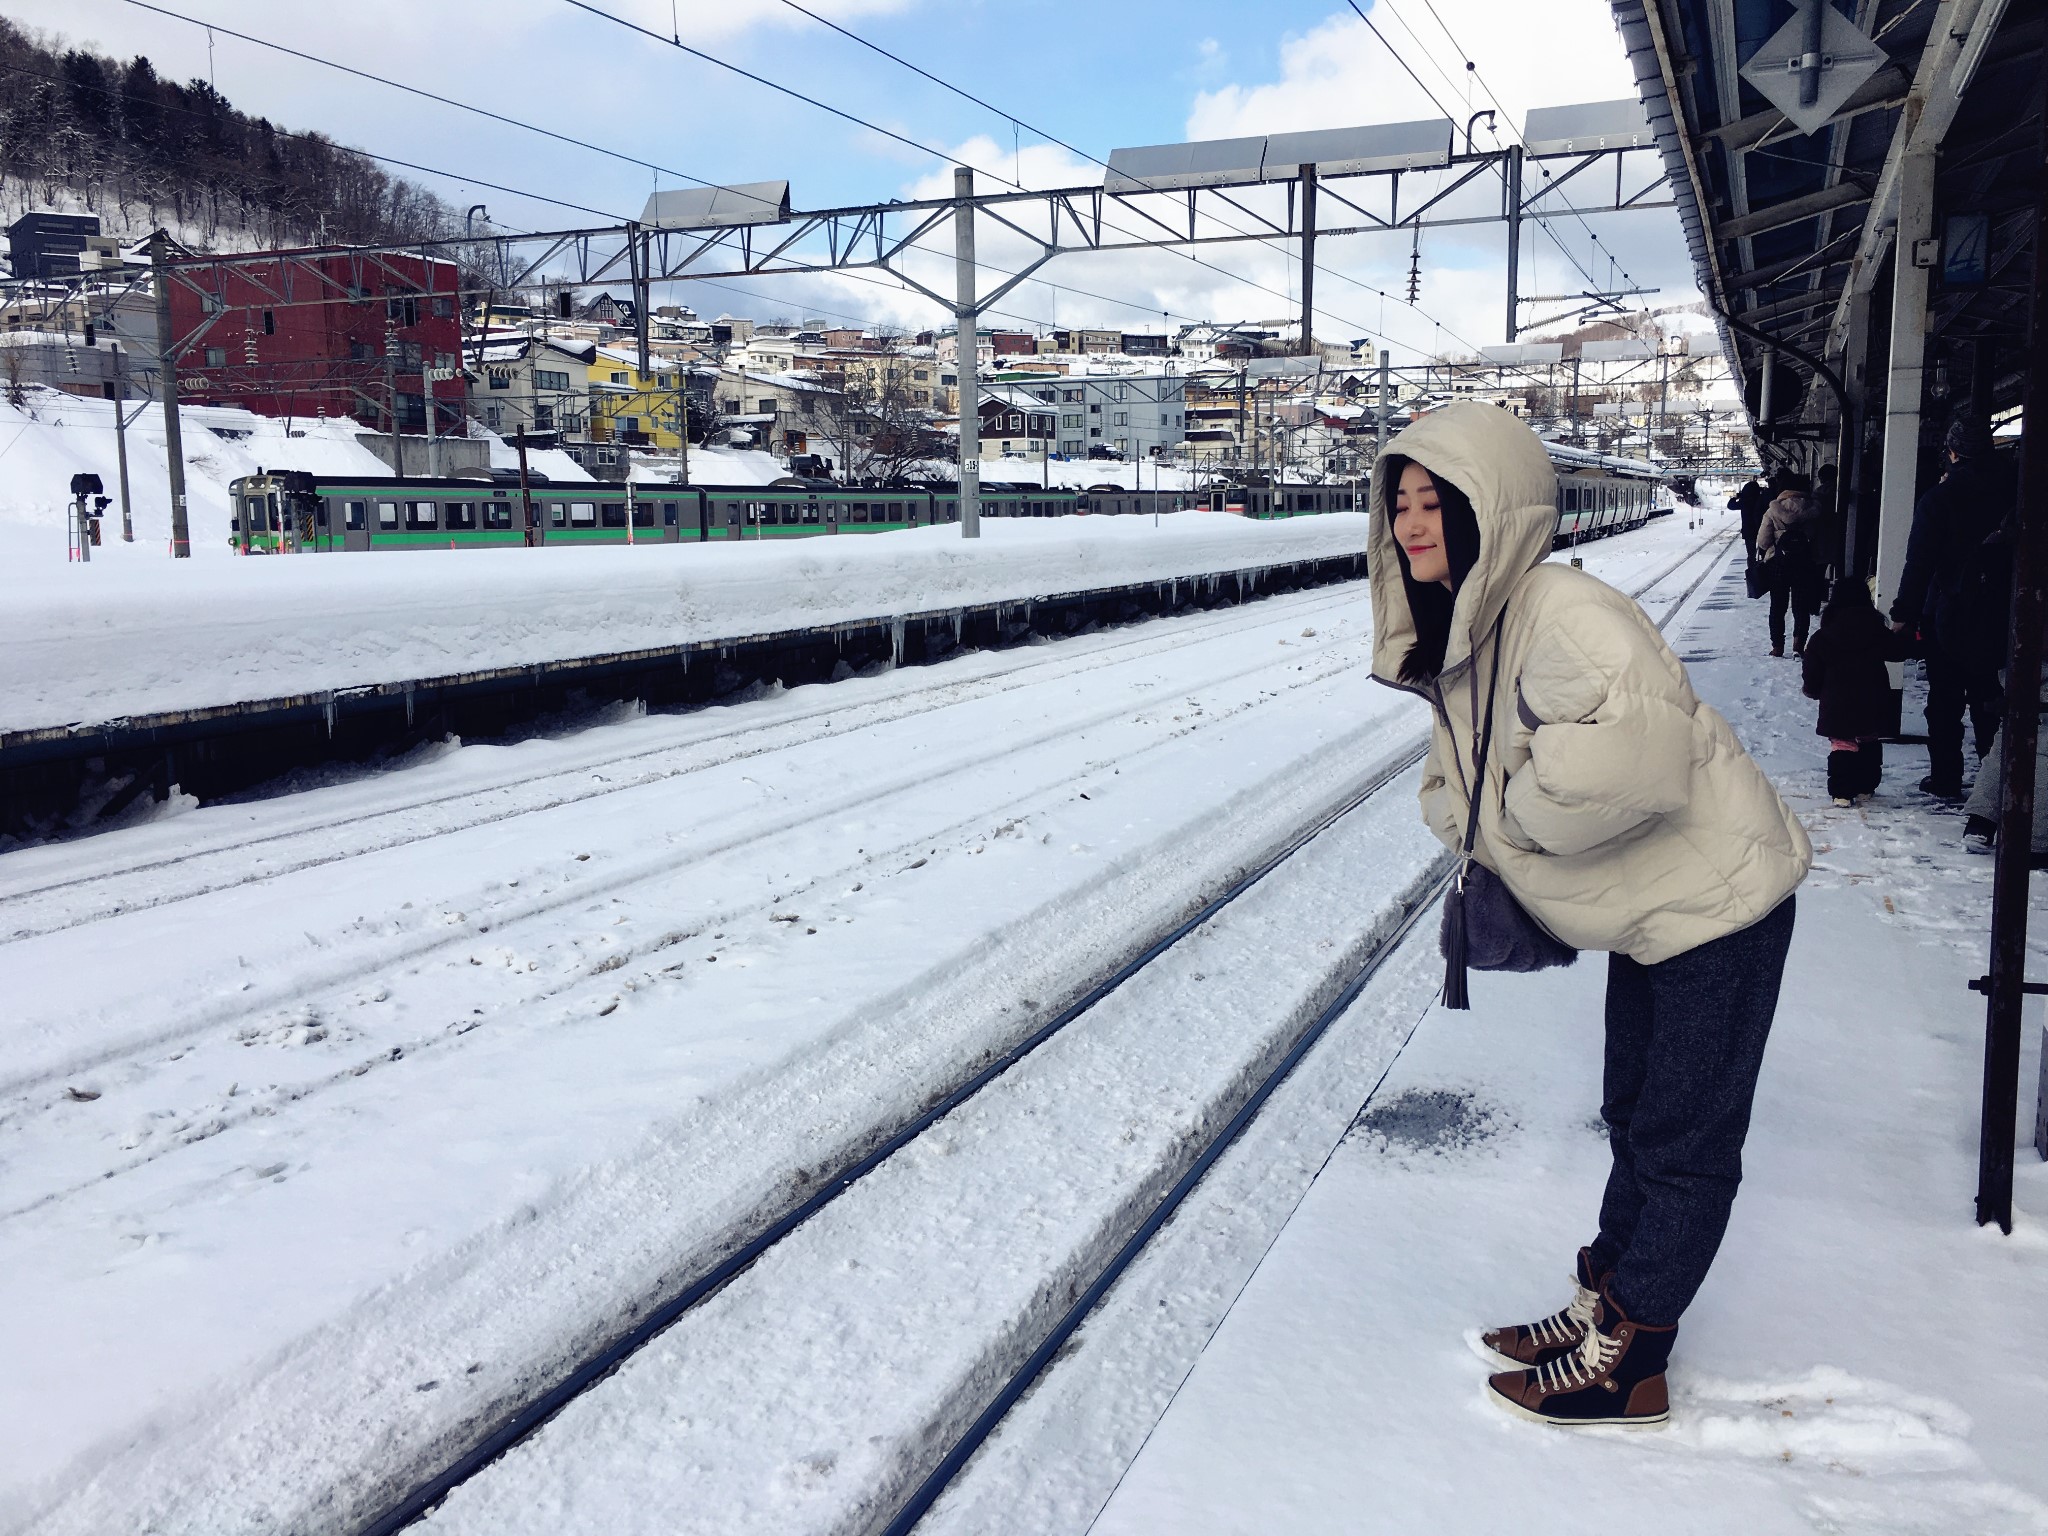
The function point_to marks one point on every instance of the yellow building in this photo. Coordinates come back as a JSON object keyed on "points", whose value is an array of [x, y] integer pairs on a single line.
{"points": [[643, 409]]}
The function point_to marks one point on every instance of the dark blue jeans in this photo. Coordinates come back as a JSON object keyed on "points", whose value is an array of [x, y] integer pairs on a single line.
{"points": [[1685, 1041]]}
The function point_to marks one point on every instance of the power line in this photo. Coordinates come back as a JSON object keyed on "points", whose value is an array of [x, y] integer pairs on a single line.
{"points": [[932, 150], [1502, 110], [1053, 138]]}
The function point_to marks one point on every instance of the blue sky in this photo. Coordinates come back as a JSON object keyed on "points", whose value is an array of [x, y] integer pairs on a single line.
{"points": [[1096, 75]]}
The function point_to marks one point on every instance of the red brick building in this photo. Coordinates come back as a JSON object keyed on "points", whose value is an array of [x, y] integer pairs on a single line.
{"points": [[295, 335]]}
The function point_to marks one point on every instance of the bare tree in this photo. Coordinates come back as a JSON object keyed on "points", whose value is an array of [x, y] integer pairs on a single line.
{"points": [[872, 416]]}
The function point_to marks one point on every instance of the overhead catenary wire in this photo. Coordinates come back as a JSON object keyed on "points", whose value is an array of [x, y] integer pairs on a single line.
{"points": [[1542, 222], [936, 152], [1053, 138], [509, 121]]}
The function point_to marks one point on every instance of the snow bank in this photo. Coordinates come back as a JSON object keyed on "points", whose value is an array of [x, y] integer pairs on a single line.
{"points": [[119, 638]]}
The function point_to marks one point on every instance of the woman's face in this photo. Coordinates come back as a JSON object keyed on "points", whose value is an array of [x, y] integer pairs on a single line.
{"points": [[1419, 526]]}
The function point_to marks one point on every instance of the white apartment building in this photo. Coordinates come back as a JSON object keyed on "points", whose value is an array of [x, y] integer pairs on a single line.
{"points": [[1133, 415]]}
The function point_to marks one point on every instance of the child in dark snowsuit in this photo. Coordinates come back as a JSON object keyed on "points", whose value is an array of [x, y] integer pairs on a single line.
{"points": [[1845, 670]]}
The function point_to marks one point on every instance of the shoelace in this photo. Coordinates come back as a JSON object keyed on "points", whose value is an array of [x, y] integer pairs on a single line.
{"points": [[1570, 1324], [1583, 1366]]}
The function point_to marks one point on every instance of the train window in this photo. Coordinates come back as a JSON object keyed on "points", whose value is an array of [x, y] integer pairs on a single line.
{"points": [[952, 511], [252, 507], [387, 515], [857, 512], [732, 512], [420, 514], [612, 514], [643, 514], [498, 514], [355, 515], [583, 514], [895, 511], [811, 513], [459, 514], [668, 514], [558, 514]]}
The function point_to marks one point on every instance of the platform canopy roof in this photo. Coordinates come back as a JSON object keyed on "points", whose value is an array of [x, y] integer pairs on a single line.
{"points": [[1790, 231]]}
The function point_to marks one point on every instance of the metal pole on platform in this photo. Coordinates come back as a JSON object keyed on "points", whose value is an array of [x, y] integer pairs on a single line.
{"points": [[427, 359], [167, 373], [966, 368], [533, 533], [1899, 485], [2011, 872]]}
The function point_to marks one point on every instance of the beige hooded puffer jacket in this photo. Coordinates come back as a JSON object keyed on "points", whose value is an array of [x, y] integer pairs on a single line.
{"points": [[1619, 809]]}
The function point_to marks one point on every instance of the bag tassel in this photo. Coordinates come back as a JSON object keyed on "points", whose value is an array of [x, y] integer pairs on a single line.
{"points": [[1455, 995]]}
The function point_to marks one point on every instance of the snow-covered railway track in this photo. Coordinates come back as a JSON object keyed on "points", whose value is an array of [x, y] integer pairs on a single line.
{"points": [[64, 885], [398, 1372], [1242, 1084], [997, 1351]]}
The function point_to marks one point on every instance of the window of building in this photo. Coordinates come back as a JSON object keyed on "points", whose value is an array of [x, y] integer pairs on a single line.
{"points": [[764, 408], [405, 311], [1006, 445], [1016, 422], [499, 379], [1123, 445], [618, 378], [664, 380], [269, 322], [922, 375], [419, 514], [216, 357], [1095, 431], [630, 423], [1043, 394], [544, 418], [729, 407], [1070, 445], [494, 415], [1123, 391], [408, 357], [1071, 419], [549, 378], [1123, 419], [607, 456], [1095, 408], [444, 307]]}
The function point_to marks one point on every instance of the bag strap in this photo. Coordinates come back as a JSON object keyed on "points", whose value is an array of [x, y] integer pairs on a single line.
{"points": [[1483, 739]]}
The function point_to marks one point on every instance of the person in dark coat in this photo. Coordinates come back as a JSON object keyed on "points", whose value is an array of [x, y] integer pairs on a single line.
{"points": [[1788, 548], [1751, 501], [1956, 592], [1845, 669]]}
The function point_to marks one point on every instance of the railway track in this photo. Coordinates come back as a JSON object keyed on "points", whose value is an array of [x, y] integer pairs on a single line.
{"points": [[773, 1231], [1339, 990]]}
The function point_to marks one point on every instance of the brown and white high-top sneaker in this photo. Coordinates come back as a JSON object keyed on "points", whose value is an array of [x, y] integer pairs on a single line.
{"points": [[1615, 1376], [1521, 1346]]}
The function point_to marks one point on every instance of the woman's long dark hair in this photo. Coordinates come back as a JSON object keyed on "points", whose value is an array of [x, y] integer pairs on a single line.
{"points": [[1428, 602]]}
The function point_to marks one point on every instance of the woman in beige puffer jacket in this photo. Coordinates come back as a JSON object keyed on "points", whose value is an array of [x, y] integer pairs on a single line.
{"points": [[1623, 815]]}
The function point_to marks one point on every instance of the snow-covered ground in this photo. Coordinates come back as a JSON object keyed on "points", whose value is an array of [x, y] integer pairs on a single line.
{"points": [[333, 1120], [1863, 1359], [104, 641]]}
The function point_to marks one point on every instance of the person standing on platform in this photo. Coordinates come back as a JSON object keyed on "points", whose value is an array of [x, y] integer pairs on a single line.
{"points": [[1596, 803], [1788, 547], [1750, 502], [1956, 592], [1845, 670]]}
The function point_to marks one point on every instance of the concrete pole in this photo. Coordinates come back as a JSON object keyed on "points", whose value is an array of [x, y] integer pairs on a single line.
{"points": [[966, 368], [167, 371], [1308, 260], [1386, 399], [121, 441], [427, 362], [1899, 477], [1514, 218]]}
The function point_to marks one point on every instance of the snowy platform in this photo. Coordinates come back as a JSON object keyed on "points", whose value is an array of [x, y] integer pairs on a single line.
{"points": [[1862, 1359], [110, 641]]}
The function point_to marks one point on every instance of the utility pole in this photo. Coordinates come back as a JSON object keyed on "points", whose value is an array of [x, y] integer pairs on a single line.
{"points": [[965, 370], [121, 441], [167, 371], [533, 533], [427, 360], [1308, 260], [391, 395], [683, 416], [1514, 218], [1386, 398]]}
